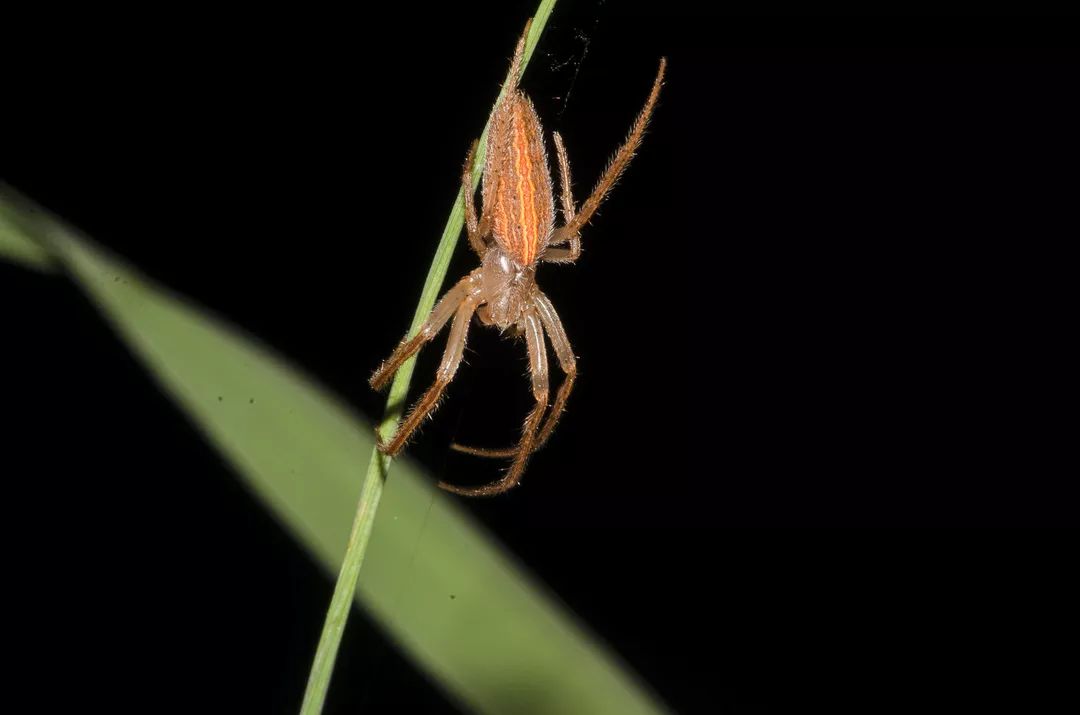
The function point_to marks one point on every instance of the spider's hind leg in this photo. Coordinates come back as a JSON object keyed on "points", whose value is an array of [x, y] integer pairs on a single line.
{"points": [[514, 76], [622, 157], [561, 236], [474, 229]]}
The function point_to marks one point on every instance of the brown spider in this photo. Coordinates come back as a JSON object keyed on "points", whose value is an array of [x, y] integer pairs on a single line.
{"points": [[515, 232]]}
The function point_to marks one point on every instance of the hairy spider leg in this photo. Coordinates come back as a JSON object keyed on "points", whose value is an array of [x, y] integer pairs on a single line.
{"points": [[538, 368], [565, 355], [564, 255], [617, 165], [437, 318], [455, 348], [473, 229]]}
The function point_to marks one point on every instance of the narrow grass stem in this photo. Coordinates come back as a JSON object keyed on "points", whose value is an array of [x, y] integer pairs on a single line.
{"points": [[344, 591]]}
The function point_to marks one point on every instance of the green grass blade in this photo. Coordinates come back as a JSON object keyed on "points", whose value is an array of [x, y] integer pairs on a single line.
{"points": [[449, 595], [16, 227], [345, 589]]}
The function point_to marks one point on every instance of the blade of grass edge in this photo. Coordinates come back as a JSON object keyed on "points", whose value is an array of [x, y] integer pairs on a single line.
{"points": [[345, 589], [472, 645], [442, 588], [16, 227]]}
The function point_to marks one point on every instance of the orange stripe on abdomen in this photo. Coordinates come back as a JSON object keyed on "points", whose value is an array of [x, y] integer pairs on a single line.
{"points": [[525, 237]]}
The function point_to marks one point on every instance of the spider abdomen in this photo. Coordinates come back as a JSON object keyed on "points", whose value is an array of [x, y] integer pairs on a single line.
{"points": [[517, 182]]}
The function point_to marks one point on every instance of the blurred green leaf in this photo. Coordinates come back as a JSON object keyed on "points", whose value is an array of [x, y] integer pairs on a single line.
{"points": [[16, 227], [441, 587]]}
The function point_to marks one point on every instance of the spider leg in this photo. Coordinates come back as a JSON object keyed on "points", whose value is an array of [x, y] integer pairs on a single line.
{"points": [[617, 165], [514, 75], [475, 230], [565, 355], [534, 338], [485, 452], [567, 195], [563, 255], [409, 346], [455, 348]]}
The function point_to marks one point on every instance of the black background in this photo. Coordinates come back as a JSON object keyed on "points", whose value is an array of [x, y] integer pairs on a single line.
{"points": [[822, 296]]}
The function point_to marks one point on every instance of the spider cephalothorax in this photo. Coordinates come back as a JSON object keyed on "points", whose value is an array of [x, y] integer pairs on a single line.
{"points": [[507, 287], [514, 232]]}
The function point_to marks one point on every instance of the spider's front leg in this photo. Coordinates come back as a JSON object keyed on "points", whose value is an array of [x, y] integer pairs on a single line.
{"points": [[565, 354], [455, 348], [538, 368], [440, 314], [459, 302]]}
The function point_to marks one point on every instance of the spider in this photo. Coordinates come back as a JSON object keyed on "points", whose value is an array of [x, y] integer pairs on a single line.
{"points": [[515, 231]]}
